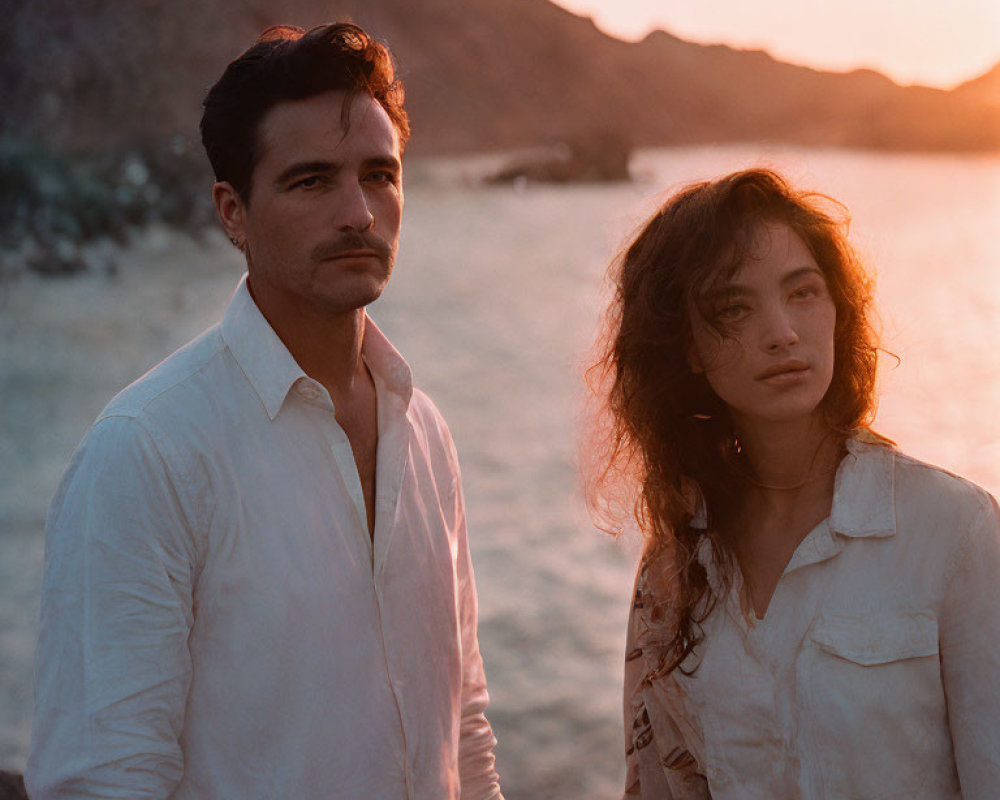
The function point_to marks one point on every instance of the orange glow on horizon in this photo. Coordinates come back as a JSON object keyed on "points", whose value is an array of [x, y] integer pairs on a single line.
{"points": [[917, 41]]}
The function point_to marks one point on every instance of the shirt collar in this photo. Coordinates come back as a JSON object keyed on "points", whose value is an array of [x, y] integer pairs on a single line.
{"points": [[863, 498], [864, 502], [259, 351], [272, 370], [387, 366]]}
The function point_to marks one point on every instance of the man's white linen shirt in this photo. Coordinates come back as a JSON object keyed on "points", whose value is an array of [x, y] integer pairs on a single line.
{"points": [[217, 621], [875, 672]]}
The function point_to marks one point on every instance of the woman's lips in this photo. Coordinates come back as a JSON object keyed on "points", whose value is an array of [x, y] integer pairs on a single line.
{"points": [[787, 372]]}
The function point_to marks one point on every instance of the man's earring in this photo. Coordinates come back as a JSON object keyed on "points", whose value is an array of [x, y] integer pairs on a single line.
{"points": [[235, 241]]}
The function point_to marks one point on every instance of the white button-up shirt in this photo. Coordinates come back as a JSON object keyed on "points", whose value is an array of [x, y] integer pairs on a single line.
{"points": [[217, 621], [874, 674]]}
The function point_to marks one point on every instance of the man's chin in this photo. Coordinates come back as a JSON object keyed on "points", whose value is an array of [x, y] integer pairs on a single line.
{"points": [[353, 299]]}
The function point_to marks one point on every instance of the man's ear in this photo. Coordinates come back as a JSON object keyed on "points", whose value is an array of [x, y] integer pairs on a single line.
{"points": [[231, 210]]}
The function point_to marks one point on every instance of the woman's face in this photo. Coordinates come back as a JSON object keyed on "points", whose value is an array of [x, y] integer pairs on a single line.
{"points": [[769, 354]]}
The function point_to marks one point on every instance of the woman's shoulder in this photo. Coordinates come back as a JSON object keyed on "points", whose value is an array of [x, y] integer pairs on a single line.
{"points": [[650, 614], [917, 479], [923, 496]]}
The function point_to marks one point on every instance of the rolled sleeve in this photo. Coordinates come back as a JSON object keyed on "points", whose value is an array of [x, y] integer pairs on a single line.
{"points": [[970, 656], [113, 668]]}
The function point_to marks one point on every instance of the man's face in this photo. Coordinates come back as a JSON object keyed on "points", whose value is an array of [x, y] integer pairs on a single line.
{"points": [[321, 224]]}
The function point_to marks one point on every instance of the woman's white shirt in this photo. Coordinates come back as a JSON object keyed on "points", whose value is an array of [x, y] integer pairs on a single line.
{"points": [[874, 674]]}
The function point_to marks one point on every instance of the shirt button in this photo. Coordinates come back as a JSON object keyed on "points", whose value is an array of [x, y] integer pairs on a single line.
{"points": [[308, 392], [718, 777]]}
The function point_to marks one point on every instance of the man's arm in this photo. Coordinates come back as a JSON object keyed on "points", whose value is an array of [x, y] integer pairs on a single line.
{"points": [[112, 668], [476, 762]]}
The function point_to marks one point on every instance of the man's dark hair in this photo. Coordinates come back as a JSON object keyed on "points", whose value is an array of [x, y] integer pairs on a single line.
{"points": [[289, 63]]}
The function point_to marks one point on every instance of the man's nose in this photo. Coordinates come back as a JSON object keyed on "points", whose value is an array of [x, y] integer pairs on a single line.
{"points": [[355, 215]]}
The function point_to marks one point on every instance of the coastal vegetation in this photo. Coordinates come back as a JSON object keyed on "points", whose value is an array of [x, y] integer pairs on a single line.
{"points": [[54, 203]]}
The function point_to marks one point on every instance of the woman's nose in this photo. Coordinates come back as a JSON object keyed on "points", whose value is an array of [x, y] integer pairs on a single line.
{"points": [[779, 331]]}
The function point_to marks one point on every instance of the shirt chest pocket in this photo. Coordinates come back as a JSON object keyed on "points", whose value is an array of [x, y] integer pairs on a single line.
{"points": [[878, 639], [872, 702]]}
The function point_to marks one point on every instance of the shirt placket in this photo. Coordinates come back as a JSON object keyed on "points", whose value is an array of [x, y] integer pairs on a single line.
{"points": [[756, 692], [793, 607], [391, 459], [390, 464]]}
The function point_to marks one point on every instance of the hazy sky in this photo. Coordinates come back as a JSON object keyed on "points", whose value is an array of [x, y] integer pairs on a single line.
{"points": [[933, 42]]}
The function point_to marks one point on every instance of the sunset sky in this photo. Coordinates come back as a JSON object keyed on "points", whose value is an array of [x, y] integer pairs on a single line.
{"points": [[931, 42]]}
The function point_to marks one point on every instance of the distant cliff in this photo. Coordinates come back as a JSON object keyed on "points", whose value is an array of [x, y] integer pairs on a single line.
{"points": [[985, 89], [480, 75]]}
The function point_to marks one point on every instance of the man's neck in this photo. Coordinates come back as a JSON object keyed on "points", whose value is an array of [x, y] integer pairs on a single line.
{"points": [[329, 351], [326, 346]]}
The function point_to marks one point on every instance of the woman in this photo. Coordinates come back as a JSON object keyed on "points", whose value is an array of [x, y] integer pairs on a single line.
{"points": [[816, 615]]}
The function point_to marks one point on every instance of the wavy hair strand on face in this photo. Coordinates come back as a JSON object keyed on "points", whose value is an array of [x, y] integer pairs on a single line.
{"points": [[661, 449]]}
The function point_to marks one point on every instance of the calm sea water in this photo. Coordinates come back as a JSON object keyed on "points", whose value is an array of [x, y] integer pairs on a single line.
{"points": [[495, 300]]}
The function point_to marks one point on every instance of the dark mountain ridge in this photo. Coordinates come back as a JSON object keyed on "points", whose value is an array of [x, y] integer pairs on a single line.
{"points": [[480, 75], [984, 89]]}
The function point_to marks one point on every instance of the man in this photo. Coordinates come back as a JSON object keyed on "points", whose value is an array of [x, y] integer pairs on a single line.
{"points": [[258, 581]]}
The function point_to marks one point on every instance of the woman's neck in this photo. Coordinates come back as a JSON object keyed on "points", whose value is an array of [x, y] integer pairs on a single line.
{"points": [[788, 475], [790, 455]]}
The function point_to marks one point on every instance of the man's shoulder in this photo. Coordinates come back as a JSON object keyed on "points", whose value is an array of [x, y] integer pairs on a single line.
{"points": [[424, 415], [431, 431], [174, 382], [423, 408]]}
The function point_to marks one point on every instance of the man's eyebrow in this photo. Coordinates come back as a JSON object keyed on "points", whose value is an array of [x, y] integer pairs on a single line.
{"points": [[383, 162], [305, 168], [330, 167]]}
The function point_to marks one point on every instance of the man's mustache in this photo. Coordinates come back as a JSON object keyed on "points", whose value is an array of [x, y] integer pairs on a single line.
{"points": [[367, 240]]}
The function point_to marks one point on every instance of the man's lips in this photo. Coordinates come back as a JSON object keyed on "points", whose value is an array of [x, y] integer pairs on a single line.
{"points": [[784, 371], [353, 254], [354, 245]]}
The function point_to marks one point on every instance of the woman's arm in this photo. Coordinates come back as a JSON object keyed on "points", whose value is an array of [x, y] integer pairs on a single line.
{"points": [[970, 655], [640, 781]]}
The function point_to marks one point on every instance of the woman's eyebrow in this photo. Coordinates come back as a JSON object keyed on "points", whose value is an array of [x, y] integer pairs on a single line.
{"points": [[801, 272], [728, 291]]}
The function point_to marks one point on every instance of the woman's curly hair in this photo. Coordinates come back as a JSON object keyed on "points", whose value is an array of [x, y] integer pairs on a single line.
{"points": [[665, 445]]}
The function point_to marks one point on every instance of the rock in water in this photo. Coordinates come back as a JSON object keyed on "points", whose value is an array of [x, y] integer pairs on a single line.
{"points": [[595, 158]]}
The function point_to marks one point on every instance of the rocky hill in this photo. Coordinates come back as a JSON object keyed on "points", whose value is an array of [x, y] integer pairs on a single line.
{"points": [[480, 75], [985, 89]]}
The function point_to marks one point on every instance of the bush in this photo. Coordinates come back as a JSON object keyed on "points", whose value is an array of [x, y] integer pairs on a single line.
{"points": [[61, 201]]}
